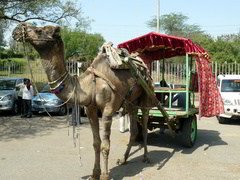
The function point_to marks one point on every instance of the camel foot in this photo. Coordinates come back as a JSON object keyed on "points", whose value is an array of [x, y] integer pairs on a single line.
{"points": [[104, 177], [146, 160], [95, 175], [121, 161], [93, 178]]}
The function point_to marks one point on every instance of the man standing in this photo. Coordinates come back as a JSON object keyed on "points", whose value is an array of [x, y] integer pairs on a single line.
{"points": [[27, 99]]}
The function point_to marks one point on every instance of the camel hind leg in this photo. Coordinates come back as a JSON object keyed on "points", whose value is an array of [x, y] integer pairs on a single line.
{"points": [[133, 134], [145, 116]]}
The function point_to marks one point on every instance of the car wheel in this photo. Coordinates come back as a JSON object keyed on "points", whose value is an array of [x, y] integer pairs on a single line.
{"points": [[35, 112], [222, 120], [15, 108], [188, 134], [62, 111]]}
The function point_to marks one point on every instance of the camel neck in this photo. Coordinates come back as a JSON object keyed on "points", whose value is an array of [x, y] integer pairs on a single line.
{"points": [[53, 61]]}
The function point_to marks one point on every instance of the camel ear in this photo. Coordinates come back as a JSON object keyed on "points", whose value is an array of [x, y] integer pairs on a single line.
{"points": [[57, 32]]}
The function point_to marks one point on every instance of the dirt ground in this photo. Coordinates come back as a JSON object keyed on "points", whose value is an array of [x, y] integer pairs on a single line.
{"points": [[43, 149]]}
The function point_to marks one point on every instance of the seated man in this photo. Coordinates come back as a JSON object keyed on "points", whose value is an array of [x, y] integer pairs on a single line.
{"points": [[180, 99], [163, 97]]}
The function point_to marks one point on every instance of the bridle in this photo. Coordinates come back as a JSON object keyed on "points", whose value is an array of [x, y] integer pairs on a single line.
{"points": [[23, 28], [58, 82]]}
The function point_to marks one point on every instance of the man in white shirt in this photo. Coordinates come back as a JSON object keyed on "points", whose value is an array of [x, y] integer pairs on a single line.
{"points": [[27, 93]]}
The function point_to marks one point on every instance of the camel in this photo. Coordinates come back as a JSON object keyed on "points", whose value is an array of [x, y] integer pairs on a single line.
{"points": [[98, 88]]}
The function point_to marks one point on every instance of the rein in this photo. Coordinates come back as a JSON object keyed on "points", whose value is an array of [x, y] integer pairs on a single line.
{"points": [[60, 86], [57, 89]]}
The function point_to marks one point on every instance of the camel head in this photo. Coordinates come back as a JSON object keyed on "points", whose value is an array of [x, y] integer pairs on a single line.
{"points": [[39, 37]]}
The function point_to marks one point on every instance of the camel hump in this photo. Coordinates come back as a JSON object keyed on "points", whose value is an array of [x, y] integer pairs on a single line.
{"points": [[115, 56]]}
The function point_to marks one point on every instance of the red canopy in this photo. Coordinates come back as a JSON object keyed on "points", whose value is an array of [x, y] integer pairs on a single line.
{"points": [[155, 46]]}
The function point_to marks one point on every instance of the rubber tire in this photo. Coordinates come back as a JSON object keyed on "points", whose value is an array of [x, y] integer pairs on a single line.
{"points": [[62, 111], [15, 108], [188, 134], [222, 120]]}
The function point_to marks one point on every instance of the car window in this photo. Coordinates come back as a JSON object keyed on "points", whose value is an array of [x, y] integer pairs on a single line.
{"points": [[7, 84], [19, 81], [230, 85], [46, 89]]}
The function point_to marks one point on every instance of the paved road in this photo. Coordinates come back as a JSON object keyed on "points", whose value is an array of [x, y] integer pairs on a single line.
{"points": [[43, 149]]}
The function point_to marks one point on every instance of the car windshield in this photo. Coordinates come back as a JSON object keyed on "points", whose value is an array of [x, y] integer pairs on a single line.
{"points": [[46, 89], [230, 85], [7, 84]]}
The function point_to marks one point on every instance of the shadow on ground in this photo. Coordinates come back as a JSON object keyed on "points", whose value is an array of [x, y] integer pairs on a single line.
{"points": [[15, 127], [206, 139]]}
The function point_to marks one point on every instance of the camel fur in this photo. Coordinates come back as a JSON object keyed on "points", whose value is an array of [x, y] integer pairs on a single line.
{"points": [[98, 88]]}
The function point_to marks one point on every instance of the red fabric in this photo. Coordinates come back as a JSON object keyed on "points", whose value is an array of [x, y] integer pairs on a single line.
{"points": [[210, 101], [155, 46]]}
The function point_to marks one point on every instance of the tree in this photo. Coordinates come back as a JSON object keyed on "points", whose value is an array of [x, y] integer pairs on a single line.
{"points": [[40, 11], [175, 24], [53, 11], [80, 44], [227, 48], [223, 48]]}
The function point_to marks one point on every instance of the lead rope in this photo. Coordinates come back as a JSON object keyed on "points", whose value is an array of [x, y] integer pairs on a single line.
{"points": [[76, 134], [76, 131], [30, 69], [34, 83]]}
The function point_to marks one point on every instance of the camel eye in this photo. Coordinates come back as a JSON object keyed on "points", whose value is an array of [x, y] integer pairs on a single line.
{"points": [[38, 30]]}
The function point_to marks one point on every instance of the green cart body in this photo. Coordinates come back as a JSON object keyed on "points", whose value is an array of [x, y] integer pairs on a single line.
{"points": [[181, 121]]}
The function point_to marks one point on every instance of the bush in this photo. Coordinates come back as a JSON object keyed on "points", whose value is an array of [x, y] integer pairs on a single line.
{"points": [[5, 54], [15, 63]]}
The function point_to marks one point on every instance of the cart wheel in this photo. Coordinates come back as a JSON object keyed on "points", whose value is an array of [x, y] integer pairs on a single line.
{"points": [[62, 111], [189, 131]]}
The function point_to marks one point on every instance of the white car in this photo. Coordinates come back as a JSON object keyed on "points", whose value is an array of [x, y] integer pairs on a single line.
{"points": [[229, 87]]}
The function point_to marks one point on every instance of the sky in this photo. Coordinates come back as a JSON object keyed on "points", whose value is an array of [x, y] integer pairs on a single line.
{"points": [[120, 20]]}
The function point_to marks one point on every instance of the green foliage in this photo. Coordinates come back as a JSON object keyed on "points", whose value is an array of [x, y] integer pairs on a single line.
{"points": [[81, 45], [15, 64], [224, 48], [8, 53], [44, 10], [175, 24]]}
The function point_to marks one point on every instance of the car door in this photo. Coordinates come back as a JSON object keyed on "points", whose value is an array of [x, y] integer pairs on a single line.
{"points": [[18, 81]]}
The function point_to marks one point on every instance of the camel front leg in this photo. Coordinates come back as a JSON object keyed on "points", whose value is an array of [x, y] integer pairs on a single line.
{"points": [[94, 122], [105, 148], [133, 134]]}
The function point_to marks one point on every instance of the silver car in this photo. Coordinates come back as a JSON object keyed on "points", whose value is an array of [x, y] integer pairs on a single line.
{"points": [[8, 94], [48, 101]]}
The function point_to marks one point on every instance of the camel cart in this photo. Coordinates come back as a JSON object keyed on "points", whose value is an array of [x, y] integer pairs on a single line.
{"points": [[176, 109]]}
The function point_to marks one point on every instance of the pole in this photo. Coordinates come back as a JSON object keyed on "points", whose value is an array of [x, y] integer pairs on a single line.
{"points": [[158, 15]]}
